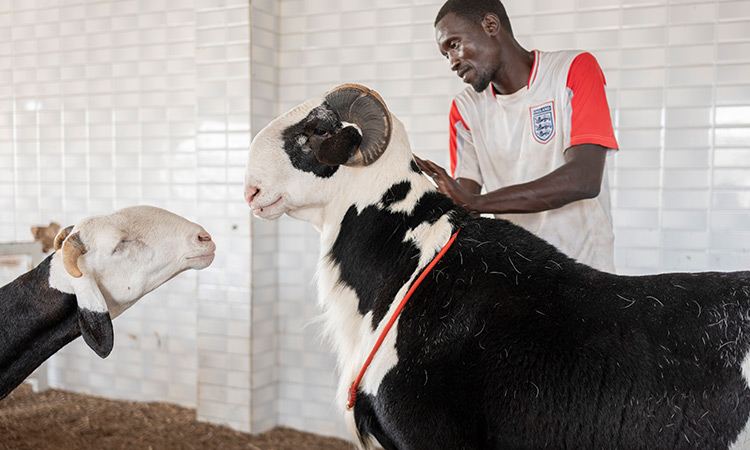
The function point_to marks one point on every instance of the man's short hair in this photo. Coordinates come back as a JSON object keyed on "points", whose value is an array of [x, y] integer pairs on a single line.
{"points": [[475, 10]]}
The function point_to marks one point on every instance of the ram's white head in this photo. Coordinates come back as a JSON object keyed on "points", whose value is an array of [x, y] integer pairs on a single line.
{"points": [[111, 261], [291, 158]]}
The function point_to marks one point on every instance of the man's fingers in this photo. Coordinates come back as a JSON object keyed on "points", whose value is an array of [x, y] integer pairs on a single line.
{"points": [[420, 162], [429, 167], [426, 166]]}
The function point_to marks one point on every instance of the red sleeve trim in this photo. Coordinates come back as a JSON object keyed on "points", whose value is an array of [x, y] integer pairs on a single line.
{"points": [[590, 121], [454, 119]]}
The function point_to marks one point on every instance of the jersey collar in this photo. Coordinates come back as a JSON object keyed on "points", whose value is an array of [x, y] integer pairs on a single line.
{"points": [[534, 70]]}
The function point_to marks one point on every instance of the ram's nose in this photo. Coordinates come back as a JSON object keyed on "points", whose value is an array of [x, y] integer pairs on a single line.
{"points": [[250, 193]]}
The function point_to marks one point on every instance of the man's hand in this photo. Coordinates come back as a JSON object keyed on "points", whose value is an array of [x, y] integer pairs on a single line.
{"points": [[579, 178], [463, 192]]}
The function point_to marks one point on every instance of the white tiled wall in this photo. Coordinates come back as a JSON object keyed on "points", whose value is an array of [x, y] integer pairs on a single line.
{"points": [[222, 127], [109, 103], [265, 246]]}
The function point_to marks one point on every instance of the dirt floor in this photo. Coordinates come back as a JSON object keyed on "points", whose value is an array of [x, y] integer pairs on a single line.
{"points": [[58, 420]]}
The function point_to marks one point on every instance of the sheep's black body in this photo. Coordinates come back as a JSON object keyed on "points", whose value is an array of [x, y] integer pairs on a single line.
{"points": [[509, 344], [36, 320]]}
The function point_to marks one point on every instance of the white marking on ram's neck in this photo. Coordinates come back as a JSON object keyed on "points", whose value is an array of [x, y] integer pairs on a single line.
{"points": [[58, 277], [743, 440], [429, 239], [344, 326]]}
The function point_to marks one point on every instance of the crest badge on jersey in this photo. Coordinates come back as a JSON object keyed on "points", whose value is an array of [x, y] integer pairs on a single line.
{"points": [[543, 122]]}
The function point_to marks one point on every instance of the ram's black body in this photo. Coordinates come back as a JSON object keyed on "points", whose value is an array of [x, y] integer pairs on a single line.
{"points": [[509, 344]]}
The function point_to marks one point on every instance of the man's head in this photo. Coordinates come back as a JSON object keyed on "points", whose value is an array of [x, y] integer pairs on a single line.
{"points": [[469, 34], [474, 11]]}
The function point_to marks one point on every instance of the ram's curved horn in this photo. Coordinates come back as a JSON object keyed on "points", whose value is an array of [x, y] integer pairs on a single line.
{"points": [[60, 238], [72, 249], [365, 108]]}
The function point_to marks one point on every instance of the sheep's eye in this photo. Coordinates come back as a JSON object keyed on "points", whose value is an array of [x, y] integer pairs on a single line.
{"points": [[320, 132], [121, 245]]}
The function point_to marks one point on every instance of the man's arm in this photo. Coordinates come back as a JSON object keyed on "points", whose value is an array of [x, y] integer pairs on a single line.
{"points": [[578, 179]]}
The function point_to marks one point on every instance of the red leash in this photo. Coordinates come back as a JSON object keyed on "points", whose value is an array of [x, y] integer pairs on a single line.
{"points": [[352, 397]]}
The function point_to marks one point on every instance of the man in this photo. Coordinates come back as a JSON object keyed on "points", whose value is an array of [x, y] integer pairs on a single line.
{"points": [[534, 129]]}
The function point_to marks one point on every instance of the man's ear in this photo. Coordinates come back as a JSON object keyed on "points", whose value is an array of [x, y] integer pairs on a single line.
{"points": [[93, 316], [491, 24], [338, 148]]}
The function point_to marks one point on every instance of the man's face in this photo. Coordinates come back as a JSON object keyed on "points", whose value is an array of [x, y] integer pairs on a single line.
{"points": [[468, 48]]}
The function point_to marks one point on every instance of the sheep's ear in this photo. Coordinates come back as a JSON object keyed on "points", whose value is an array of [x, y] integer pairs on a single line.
{"points": [[93, 316], [61, 236], [337, 149]]}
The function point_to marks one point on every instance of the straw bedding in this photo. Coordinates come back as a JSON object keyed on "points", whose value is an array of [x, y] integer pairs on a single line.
{"points": [[58, 420]]}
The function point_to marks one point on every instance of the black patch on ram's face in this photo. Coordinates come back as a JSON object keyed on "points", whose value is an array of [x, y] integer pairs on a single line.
{"points": [[297, 138], [370, 250]]}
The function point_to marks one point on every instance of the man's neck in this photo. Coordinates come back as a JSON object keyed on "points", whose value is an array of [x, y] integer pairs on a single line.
{"points": [[515, 73]]}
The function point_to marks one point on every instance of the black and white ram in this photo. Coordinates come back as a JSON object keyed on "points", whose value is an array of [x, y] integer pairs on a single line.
{"points": [[508, 343], [102, 266]]}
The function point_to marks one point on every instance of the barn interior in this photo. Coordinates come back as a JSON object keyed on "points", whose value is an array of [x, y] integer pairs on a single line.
{"points": [[111, 103]]}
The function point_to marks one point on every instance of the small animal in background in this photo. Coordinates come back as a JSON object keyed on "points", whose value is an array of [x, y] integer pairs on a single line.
{"points": [[100, 267], [46, 235]]}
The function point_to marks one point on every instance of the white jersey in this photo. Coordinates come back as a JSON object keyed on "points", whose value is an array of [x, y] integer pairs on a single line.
{"points": [[501, 140]]}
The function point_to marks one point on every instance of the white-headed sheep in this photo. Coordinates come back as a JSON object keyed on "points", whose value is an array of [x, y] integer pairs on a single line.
{"points": [[102, 266], [508, 343]]}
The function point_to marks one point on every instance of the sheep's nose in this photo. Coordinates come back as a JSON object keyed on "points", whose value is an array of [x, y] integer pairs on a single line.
{"points": [[204, 237]]}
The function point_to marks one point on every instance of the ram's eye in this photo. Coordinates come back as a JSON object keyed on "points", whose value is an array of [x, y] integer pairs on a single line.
{"points": [[320, 132]]}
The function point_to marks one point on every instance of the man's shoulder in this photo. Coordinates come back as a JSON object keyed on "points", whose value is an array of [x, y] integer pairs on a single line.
{"points": [[561, 58]]}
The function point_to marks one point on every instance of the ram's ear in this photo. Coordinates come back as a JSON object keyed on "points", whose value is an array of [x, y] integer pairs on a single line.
{"points": [[357, 104], [338, 148], [93, 316]]}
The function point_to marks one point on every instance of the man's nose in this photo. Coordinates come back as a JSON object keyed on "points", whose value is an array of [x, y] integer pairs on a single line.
{"points": [[454, 63]]}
